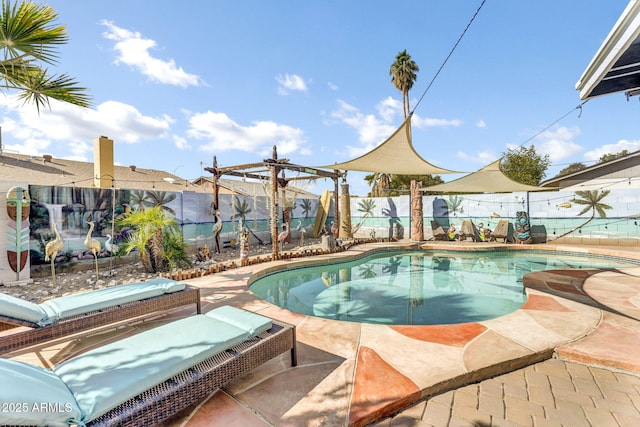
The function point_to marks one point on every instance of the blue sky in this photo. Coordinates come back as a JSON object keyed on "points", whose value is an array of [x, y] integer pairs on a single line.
{"points": [[174, 84]]}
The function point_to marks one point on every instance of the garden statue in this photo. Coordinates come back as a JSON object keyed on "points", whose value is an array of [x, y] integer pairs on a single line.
{"points": [[93, 245], [217, 227], [51, 251], [522, 227], [244, 246]]}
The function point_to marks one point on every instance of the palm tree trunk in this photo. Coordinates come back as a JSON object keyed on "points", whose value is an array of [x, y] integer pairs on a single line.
{"points": [[578, 227]]}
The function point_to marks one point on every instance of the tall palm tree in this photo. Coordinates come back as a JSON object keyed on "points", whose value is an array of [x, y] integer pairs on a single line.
{"points": [[592, 201], [29, 39], [403, 74]]}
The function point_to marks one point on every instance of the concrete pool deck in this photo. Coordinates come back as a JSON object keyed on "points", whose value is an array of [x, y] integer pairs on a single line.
{"points": [[352, 374]]}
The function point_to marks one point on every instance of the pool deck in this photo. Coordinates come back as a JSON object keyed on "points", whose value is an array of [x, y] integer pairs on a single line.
{"points": [[352, 374]]}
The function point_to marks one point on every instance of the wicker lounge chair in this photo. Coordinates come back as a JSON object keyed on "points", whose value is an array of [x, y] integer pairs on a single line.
{"points": [[147, 378], [23, 324]]}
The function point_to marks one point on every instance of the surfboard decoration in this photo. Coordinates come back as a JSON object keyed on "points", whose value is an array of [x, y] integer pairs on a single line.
{"points": [[323, 212], [18, 208]]}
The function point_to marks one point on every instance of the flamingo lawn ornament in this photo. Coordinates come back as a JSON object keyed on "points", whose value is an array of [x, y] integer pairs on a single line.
{"points": [[93, 245], [302, 231], [111, 247], [334, 229], [283, 236], [51, 250], [217, 227]]}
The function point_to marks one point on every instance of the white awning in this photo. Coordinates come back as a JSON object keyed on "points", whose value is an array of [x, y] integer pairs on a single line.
{"points": [[616, 65]]}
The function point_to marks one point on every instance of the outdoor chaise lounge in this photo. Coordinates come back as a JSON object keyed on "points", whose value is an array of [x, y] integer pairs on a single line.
{"points": [[146, 378], [468, 229], [438, 231], [501, 231], [23, 323]]}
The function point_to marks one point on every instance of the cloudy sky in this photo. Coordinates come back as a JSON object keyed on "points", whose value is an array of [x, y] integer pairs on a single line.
{"points": [[175, 84]]}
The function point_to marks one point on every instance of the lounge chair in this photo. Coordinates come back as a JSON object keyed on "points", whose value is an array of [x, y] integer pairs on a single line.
{"points": [[501, 231], [146, 378], [23, 324], [468, 230], [438, 232]]}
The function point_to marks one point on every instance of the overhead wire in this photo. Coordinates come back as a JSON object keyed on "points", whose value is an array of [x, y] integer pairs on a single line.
{"points": [[448, 56]]}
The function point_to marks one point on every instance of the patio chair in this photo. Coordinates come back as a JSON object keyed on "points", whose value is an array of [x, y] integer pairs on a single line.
{"points": [[468, 230], [438, 232], [501, 231], [146, 378], [23, 323]]}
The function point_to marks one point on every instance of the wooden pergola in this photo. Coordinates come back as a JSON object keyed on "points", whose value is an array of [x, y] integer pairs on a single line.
{"points": [[271, 169]]}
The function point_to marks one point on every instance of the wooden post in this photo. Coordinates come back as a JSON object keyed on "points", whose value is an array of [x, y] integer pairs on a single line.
{"points": [[346, 230], [274, 206], [336, 199], [417, 218]]}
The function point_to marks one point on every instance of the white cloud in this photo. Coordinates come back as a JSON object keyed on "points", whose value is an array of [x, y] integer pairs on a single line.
{"points": [[290, 82], [558, 143], [68, 131], [420, 123], [180, 143], [623, 144], [220, 133], [134, 50], [482, 157], [371, 129], [333, 86], [481, 124], [375, 129], [389, 108]]}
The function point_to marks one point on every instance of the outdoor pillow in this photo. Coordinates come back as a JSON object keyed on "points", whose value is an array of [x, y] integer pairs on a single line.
{"points": [[31, 395], [253, 323], [84, 302], [107, 376], [22, 310]]}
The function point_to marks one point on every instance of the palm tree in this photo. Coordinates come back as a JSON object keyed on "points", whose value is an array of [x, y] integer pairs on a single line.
{"points": [[403, 75], [162, 198], [379, 183], [140, 200], [242, 209], [454, 204], [29, 40], [306, 207], [156, 237], [591, 200]]}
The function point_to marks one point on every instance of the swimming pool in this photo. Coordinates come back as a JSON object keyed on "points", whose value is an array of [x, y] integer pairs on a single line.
{"points": [[423, 287]]}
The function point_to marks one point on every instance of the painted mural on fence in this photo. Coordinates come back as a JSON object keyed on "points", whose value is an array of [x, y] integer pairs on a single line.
{"points": [[73, 209], [599, 213]]}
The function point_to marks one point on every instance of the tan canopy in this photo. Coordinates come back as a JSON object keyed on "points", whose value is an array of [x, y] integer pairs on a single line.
{"points": [[489, 179], [396, 156]]}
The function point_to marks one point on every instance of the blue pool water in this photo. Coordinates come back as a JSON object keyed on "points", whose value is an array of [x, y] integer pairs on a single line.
{"points": [[417, 287]]}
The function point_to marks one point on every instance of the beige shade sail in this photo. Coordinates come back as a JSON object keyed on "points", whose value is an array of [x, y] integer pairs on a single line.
{"points": [[396, 156], [489, 179]]}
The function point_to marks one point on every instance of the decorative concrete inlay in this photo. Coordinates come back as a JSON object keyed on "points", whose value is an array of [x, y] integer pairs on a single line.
{"points": [[455, 335], [609, 345], [436, 362], [491, 349], [379, 389], [543, 303], [306, 395], [220, 410]]}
